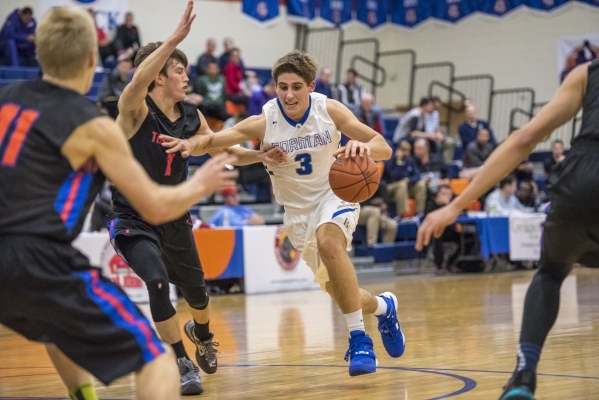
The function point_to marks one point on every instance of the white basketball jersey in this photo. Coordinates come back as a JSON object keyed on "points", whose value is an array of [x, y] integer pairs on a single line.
{"points": [[300, 183]]}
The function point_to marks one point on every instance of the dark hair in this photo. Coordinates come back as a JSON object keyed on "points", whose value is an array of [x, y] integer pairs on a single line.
{"points": [[149, 48], [27, 11], [353, 71], [436, 98], [508, 180], [443, 187], [557, 141], [424, 101]]}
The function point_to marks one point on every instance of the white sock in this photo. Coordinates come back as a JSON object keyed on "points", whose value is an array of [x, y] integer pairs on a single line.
{"points": [[382, 306], [354, 320]]}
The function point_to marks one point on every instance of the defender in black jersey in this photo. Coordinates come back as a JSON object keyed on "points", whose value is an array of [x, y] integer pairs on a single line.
{"points": [[571, 233], [55, 147], [150, 106]]}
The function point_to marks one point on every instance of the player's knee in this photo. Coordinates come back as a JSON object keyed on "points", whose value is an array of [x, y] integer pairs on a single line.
{"points": [[196, 297], [160, 302]]}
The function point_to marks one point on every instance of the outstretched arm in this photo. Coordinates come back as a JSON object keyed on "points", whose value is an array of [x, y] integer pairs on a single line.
{"points": [[132, 105], [564, 106], [346, 122], [102, 141]]}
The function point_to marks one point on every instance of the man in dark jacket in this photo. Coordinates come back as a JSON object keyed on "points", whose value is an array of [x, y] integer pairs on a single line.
{"points": [[404, 180], [17, 38]]}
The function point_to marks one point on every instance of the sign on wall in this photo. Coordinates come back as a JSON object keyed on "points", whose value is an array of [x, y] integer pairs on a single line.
{"points": [[526, 232], [575, 50], [109, 13]]}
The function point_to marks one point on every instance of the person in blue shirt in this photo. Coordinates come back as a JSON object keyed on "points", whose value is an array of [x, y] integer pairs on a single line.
{"points": [[404, 181], [232, 213], [17, 38], [260, 98], [323, 83], [469, 129]]}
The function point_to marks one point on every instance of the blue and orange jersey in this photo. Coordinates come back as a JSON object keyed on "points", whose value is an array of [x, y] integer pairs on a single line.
{"points": [[40, 193]]}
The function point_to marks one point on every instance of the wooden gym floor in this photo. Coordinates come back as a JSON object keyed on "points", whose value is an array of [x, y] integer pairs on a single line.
{"points": [[461, 333]]}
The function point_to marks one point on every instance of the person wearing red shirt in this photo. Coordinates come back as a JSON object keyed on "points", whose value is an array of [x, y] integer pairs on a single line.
{"points": [[233, 73]]}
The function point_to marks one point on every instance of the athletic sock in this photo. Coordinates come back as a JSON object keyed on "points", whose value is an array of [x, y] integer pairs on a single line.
{"points": [[355, 321], [528, 357], [381, 308], [202, 331], [180, 350], [83, 392]]}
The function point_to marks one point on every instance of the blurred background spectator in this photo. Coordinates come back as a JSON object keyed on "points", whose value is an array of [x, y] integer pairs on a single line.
{"points": [[232, 213], [373, 215], [433, 170], [228, 45], [476, 153], [250, 83], [557, 156], [233, 73], [211, 86], [113, 85], [468, 130], [403, 179], [17, 39], [369, 114], [261, 97], [127, 39], [441, 198], [503, 199], [323, 83], [528, 195], [411, 126], [106, 48], [350, 92], [207, 57]]}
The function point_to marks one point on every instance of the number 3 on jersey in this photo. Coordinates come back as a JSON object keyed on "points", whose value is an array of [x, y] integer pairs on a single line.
{"points": [[305, 161]]}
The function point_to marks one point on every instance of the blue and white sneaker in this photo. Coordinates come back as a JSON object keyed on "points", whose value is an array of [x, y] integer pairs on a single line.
{"points": [[391, 333], [360, 354]]}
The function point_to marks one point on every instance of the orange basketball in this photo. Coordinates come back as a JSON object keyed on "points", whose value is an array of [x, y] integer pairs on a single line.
{"points": [[354, 179]]}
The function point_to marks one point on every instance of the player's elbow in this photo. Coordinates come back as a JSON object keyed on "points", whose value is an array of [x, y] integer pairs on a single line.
{"points": [[157, 215]]}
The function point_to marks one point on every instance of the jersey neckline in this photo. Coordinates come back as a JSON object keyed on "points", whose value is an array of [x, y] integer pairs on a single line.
{"points": [[289, 120]]}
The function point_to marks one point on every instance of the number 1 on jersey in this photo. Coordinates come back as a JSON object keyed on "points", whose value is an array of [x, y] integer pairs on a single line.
{"points": [[305, 161], [21, 129], [169, 161]]}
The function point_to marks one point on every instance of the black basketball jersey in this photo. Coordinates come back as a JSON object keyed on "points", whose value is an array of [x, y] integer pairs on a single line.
{"points": [[589, 128], [40, 194], [166, 169]]}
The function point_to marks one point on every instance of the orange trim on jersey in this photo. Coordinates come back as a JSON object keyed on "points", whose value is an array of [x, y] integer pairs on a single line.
{"points": [[8, 112], [72, 196], [24, 123]]}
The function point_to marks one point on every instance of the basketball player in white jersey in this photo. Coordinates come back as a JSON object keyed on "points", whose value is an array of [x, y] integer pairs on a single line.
{"points": [[307, 127]]}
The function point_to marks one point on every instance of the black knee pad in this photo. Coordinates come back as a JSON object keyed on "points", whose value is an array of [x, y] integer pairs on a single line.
{"points": [[160, 303], [196, 297]]}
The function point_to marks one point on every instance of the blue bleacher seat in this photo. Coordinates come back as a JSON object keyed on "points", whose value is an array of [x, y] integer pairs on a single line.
{"points": [[14, 74], [453, 170], [390, 125], [263, 74], [388, 252], [406, 230]]}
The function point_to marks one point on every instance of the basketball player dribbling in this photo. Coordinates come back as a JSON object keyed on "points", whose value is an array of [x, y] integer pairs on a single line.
{"points": [[571, 233], [152, 105], [306, 126], [55, 147]]}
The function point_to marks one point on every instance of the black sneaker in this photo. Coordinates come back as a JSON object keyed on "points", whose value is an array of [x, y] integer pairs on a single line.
{"points": [[190, 377], [205, 349], [520, 387]]}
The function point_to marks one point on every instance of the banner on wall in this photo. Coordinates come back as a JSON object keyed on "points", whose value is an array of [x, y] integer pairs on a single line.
{"points": [[544, 5], [453, 10], [301, 11], [575, 50], [410, 13], [262, 11], [498, 8], [338, 12], [372, 12], [109, 13]]}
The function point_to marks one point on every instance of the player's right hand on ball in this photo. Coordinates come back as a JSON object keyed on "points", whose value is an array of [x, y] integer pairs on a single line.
{"points": [[214, 175]]}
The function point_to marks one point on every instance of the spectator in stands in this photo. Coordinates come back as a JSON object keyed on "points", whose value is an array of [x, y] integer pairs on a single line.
{"points": [[404, 181], [503, 199], [232, 213], [524, 171], [106, 48], [411, 125], [113, 85], [127, 39], [557, 156], [233, 73], [223, 60], [433, 170], [207, 58], [528, 194], [323, 83], [432, 125], [441, 198], [371, 115], [350, 92], [373, 215], [211, 87], [476, 153], [259, 99], [17, 38], [250, 83], [469, 129]]}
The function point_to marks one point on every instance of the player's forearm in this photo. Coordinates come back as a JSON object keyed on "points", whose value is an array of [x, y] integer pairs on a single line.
{"points": [[379, 149], [245, 156], [500, 163], [171, 202]]}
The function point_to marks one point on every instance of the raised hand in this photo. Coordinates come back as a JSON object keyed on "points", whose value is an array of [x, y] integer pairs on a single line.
{"points": [[213, 174], [185, 24]]}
